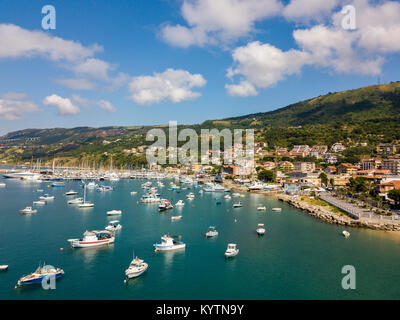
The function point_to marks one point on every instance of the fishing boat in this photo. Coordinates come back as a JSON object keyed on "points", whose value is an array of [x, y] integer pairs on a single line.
{"points": [[136, 268], [237, 205], [39, 202], [114, 212], [41, 273], [85, 204], [93, 239], [28, 210], [261, 208], [231, 250], [180, 203], [174, 218], [346, 234], [165, 205], [75, 201], [46, 197], [212, 232], [113, 226], [276, 209], [190, 196], [169, 243], [260, 229], [71, 193], [4, 267]]}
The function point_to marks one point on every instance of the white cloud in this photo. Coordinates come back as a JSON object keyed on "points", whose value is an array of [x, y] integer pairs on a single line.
{"points": [[243, 89], [63, 105], [211, 21], [173, 85], [92, 67], [77, 83], [86, 103], [306, 10], [17, 42], [13, 106]]}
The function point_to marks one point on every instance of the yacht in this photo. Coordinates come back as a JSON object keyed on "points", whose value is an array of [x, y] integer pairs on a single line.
{"points": [[93, 239], [214, 187], [4, 267], [113, 226], [237, 205], [180, 203], [85, 204], [260, 229], [256, 186], [39, 274], [114, 212], [231, 250], [46, 197], [174, 218], [21, 175], [71, 193], [75, 201], [261, 208], [136, 268], [150, 198], [28, 210], [346, 234], [212, 232], [169, 243]]}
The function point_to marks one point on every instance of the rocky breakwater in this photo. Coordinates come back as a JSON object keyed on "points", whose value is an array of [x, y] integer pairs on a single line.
{"points": [[326, 215]]}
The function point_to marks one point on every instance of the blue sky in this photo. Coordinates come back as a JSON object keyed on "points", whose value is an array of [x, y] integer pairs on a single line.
{"points": [[171, 58]]}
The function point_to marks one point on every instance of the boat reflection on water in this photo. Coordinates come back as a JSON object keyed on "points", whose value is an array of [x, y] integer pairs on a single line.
{"points": [[90, 253]]}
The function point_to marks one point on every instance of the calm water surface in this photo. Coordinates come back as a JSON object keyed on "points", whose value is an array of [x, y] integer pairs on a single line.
{"points": [[298, 258]]}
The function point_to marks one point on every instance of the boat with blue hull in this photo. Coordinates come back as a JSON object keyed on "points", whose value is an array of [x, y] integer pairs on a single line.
{"points": [[44, 272]]}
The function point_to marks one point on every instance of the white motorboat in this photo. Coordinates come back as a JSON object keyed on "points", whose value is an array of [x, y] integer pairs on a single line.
{"points": [[231, 250], [174, 218], [71, 193], [276, 209], [212, 232], [165, 205], [4, 267], [214, 187], [39, 190], [237, 205], [227, 197], [235, 195], [113, 226], [256, 186], [2, 184], [261, 208], [21, 175], [93, 239], [346, 234], [114, 212], [46, 197], [92, 185], [136, 268], [169, 243], [133, 193], [75, 201], [150, 198], [260, 229], [180, 203], [39, 202], [190, 196], [28, 210]]}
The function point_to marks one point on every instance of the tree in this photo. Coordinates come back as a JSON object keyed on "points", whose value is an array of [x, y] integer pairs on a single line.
{"points": [[358, 184], [266, 175], [394, 194], [324, 178]]}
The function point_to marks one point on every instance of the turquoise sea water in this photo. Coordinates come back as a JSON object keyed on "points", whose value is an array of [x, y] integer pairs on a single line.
{"points": [[299, 257]]}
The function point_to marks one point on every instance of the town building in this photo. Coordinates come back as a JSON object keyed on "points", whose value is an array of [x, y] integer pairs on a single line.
{"points": [[304, 166]]}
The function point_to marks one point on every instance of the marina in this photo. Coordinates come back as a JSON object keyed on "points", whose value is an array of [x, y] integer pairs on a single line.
{"points": [[287, 249]]}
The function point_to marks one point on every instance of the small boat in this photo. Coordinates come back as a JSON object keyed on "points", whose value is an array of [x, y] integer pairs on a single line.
{"points": [[39, 274], [133, 193], [165, 205], [211, 232], [46, 197], [180, 203], [39, 190], [235, 195], [28, 210], [4, 267], [58, 184], [260, 229], [105, 188], [114, 212], [2, 184], [85, 204], [39, 202], [75, 201], [346, 234], [136, 268], [173, 218], [190, 196], [169, 243], [93, 239], [113, 226], [231, 250], [92, 185], [261, 208], [237, 205], [276, 209], [227, 197], [71, 193]]}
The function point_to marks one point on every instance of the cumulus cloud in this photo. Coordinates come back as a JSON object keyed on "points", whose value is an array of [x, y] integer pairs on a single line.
{"points": [[63, 105], [306, 10], [13, 106], [173, 85], [221, 21], [92, 67], [77, 83], [86, 103], [243, 89]]}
